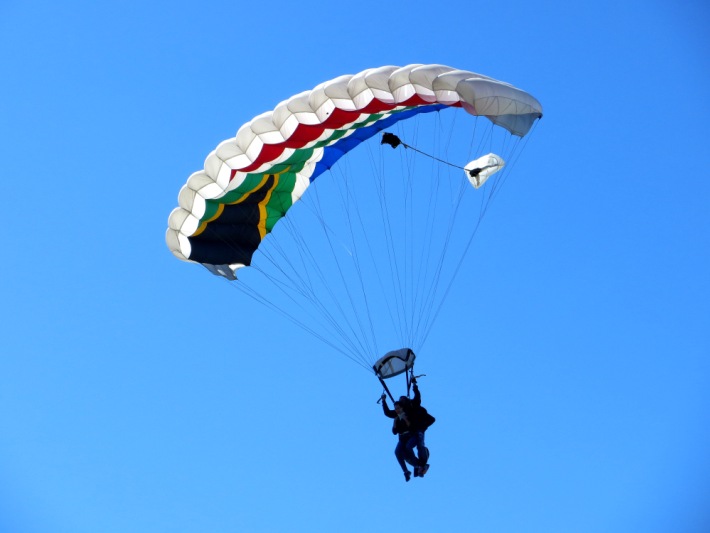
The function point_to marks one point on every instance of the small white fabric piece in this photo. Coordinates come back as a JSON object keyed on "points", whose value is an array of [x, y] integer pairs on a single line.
{"points": [[226, 271], [486, 166]]}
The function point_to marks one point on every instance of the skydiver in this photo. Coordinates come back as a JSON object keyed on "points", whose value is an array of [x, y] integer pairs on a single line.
{"points": [[420, 420], [411, 422], [400, 427]]}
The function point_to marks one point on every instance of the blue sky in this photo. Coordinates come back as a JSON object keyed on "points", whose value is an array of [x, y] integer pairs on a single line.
{"points": [[569, 371]]}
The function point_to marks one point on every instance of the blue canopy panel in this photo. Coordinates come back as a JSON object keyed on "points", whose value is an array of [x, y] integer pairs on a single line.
{"points": [[335, 151]]}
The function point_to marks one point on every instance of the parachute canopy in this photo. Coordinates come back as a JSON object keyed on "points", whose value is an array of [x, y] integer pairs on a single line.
{"points": [[394, 363], [250, 181]]}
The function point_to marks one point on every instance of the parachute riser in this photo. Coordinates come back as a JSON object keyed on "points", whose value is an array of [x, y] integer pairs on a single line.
{"points": [[387, 390], [411, 379], [393, 364]]}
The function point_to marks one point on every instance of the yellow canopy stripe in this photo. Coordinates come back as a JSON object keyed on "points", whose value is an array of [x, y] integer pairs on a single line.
{"points": [[261, 205]]}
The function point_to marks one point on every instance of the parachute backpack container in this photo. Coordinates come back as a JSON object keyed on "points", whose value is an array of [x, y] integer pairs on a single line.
{"points": [[304, 211]]}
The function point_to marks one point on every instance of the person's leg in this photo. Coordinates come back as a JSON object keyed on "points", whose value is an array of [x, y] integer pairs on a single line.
{"points": [[409, 454], [399, 454], [422, 451]]}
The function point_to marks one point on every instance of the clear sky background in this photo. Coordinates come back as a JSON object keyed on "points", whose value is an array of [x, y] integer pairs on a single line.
{"points": [[569, 373]]}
